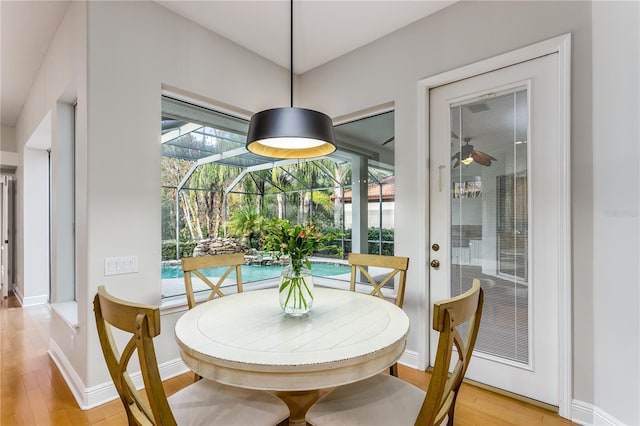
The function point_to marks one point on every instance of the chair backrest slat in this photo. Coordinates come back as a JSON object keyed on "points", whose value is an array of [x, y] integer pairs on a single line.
{"points": [[194, 265], [397, 264]]}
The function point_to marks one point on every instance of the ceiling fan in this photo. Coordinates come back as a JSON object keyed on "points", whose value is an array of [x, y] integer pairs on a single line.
{"points": [[468, 154]]}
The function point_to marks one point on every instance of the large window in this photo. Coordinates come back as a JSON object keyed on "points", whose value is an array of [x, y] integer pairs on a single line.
{"points": [[217, 196], [372, 139]]}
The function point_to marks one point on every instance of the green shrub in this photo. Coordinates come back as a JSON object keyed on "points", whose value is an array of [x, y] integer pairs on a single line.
{"points": [[387, 241], [373, 237], [169, 249]]}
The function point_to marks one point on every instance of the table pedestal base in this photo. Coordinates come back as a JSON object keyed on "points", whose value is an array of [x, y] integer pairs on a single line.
{"points": [[298, 402]]}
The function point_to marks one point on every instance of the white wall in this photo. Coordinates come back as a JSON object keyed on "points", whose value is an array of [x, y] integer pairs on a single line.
{"points": [[8, 150], [616, 202], [373, 214], [32, 282], [134, 49], [61, 78], [62, 206], [388, 70], [8, 139], [131, 50], [32, 239], [458, 35]]}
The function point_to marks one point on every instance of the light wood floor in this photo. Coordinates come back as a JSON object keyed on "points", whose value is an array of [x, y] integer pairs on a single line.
{"points": [[34, 393]]}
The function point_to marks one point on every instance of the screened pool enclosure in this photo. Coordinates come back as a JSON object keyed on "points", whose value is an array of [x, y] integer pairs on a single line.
{"points": [[213, 187]]}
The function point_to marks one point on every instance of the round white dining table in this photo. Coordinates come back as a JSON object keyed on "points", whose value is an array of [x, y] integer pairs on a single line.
{"points": [[246, 340]]}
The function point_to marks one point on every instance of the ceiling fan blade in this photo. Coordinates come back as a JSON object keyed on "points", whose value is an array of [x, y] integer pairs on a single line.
{"points": [[467, 151], [482, 158], [453, 135], [388, 140]]}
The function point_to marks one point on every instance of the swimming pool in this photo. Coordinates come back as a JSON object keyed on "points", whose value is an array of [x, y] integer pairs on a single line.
{"points": [[258, 272]]}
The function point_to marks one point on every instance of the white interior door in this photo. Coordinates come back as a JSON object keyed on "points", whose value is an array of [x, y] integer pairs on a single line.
{"points": [[495, 189]]}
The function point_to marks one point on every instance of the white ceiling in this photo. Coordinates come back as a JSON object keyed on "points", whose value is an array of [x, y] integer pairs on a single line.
{"points": [[323, 30], [26, 31]]}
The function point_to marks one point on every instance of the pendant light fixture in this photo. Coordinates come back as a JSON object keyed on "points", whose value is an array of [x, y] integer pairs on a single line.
{"points": [[291, 132]]}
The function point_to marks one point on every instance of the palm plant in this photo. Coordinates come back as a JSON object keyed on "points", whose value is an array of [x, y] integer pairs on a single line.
{"points": [[247, 223]]}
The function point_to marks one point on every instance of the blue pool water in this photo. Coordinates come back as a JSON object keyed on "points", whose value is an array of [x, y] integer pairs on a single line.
{"points": [[257, 272]]}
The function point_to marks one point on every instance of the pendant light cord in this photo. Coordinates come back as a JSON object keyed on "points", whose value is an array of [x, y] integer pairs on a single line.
{"points": [[291, 57], [290, 132]]}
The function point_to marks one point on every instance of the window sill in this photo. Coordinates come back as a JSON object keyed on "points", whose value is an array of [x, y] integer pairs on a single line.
{"points": [[171, 305], [68, 311], [389, 293], [175, 304]]}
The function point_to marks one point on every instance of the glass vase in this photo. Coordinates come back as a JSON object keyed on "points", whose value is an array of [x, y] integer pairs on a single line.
{"points": [[296, 289]]}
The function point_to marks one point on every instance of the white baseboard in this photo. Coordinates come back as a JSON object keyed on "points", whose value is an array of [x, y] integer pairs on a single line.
{"points": [[410, 359], [586, 414], [31, 300], [68, 373], [18, 294], [94, 396]]}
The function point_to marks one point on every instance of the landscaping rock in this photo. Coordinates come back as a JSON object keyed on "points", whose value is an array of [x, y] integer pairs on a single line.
{"points": [[213, 246]]}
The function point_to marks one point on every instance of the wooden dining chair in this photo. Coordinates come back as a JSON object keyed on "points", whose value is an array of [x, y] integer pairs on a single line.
{"points": [[193, 265], [387, 400], [393, 265], [203, 403], [397, 265]]}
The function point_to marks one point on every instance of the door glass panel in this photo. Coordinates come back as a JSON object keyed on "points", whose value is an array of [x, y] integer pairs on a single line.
{"points": [[489, 216]]}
